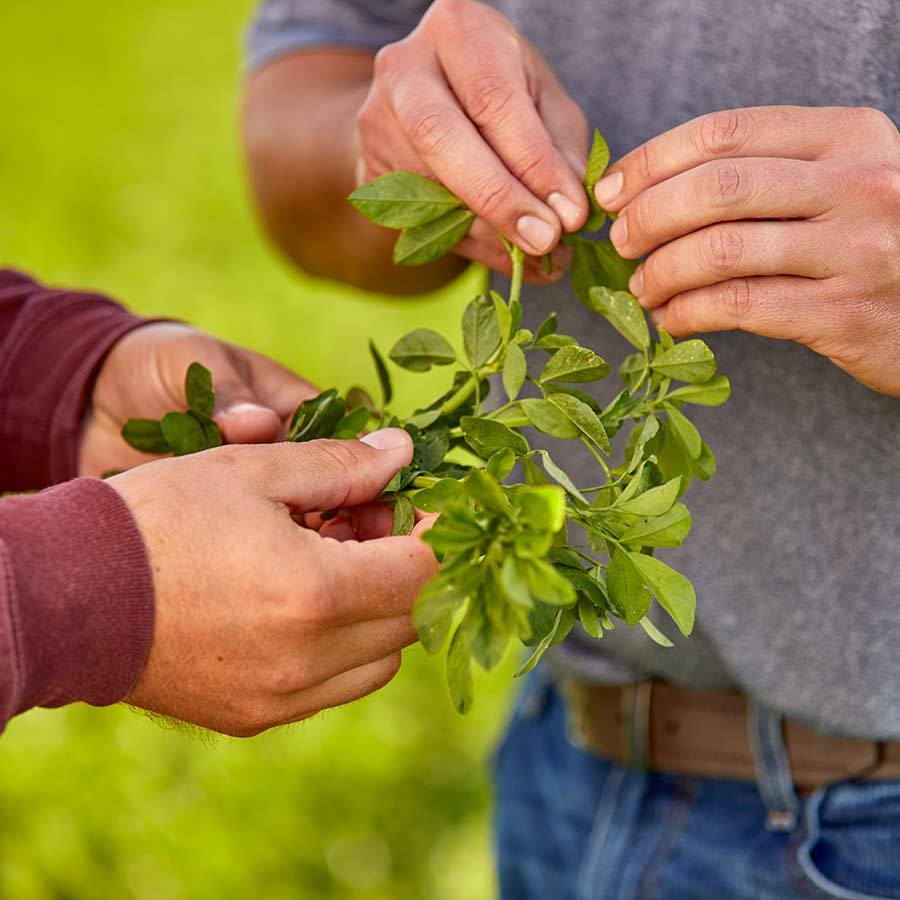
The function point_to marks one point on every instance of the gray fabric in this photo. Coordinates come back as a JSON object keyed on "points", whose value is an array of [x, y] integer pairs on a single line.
{"points": [[796, 547]]}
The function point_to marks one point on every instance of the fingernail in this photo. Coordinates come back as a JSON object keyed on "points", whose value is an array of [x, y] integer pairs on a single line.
{"points": [[577, 161], [241, 407], [659, 317], [618, 234], [538, 234], [387, 439], [608, 188], [567, 210], [636, 283]]}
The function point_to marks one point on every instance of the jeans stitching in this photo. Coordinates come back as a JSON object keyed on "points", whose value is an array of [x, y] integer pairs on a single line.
{"points": [[599, 833]]}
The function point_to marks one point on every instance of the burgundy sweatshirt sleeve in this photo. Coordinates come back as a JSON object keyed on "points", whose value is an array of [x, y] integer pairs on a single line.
{"points": [[76, 592], [52, 343]]}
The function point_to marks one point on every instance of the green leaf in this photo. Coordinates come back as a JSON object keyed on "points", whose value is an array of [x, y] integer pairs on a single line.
{"points": [[145, 435], [668, 530], [488, 643], [424, 243], [598, 160], [655, 634], [685, 431], [501, 463], [487, 491], [317, 417], [545, 643], [560, 477], [358, 397], [402, 200], [404, 516], [211, 432], [434, 611], [625, 584], [548, 326], [549, 419], [353, 422], [514, 581], [384, 378], [421, 349], [690, 361], [710, 393], [435, 498], [643, 435], [673, 591], [486, 437], [183, 433], [582, 417], [542, 508], [481, 331], [547, 584], [624, 313], [655, 502], [459, 672], [596, 263], [429, 446], [198, 389], [504, 317], [587, 615], [633, 371], [574, 364], [515, 370], [705, 465]]}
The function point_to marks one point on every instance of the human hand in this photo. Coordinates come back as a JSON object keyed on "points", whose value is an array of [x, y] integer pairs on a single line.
{"points": [[144, 375], [466, 99], [260, 621], [782, 221]]}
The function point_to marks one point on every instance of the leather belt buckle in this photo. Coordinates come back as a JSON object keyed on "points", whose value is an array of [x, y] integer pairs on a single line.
{"points": [[635, 711]]}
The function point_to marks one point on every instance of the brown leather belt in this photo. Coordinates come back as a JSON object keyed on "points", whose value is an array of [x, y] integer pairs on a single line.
{"points": [[665, 728]]}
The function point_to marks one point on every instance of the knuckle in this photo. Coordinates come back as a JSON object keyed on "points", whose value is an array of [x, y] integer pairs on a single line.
{"points": [[488, 98], [450, 12], [647, 163], [734, 299], [491, 198], [724, 249], [532, 163], [881, 181], [724, 132], [874, 122], [428, 128], [387, 59], [722, 184]]}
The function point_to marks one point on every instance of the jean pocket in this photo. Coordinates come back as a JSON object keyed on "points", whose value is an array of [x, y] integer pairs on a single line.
{"points": [[849, 845]]}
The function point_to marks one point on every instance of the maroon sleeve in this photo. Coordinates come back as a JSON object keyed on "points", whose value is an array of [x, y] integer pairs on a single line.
{"points": [[76, 592], [52, 343], [76, 598]]}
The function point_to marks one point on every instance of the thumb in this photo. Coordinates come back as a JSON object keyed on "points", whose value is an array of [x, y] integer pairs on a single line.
{"points": [[329, 474], [240, 415]]}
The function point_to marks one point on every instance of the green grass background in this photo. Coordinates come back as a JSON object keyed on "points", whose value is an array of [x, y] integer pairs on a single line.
{"points": [[120, 169]]}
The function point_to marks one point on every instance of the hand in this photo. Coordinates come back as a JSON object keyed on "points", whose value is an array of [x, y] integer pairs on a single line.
{"points": [[143, 376], [260, 621], [782, 221], [466, 99]]}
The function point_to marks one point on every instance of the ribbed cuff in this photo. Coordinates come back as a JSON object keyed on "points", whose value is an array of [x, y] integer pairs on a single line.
{"points": [[79, 597], [51, 359]]}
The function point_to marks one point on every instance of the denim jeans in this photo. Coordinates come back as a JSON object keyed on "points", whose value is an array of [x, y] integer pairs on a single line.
{"points": [[572, 826]]}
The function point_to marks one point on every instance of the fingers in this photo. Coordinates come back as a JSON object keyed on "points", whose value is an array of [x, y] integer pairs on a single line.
{"points": [[275, 385], [328, 474], [487, 69], [562, 116], [789, 132], [343, 688], [380, 578], [725, 251], [721, 191], [482, 245], [452, 148], [782, 307]]}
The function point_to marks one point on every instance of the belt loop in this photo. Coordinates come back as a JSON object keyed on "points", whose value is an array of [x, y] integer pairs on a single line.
{"points": [[636, 699], [773, 768]]}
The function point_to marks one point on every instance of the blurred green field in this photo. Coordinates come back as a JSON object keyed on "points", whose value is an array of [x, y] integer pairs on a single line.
{"points": [[120, 170]]}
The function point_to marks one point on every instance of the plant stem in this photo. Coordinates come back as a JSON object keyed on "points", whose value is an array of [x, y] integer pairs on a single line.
{"points": [[598, 457], [518, 266], [462, 394]]}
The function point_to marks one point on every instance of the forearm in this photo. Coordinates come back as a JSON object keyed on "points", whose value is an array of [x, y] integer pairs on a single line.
{"points": [[300, 138]]}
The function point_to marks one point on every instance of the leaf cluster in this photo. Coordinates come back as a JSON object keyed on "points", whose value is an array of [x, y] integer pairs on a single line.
{"points": [[511, 569]]}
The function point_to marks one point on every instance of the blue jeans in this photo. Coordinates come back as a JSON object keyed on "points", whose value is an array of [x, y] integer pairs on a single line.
{"points": [[572, 826]]}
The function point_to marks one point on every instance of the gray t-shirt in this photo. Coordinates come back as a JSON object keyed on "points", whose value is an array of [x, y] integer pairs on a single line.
{"points": [[796, 546]]}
